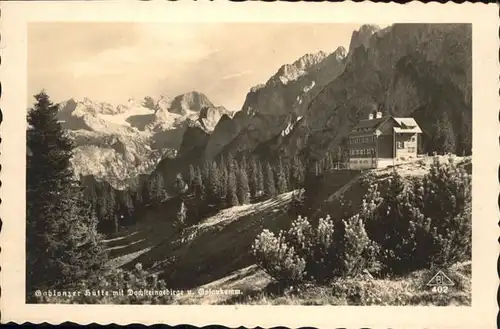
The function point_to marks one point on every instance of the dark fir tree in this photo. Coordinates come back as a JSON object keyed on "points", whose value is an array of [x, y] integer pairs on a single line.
{"points": [[199, 185], [127, 205], [156, 188], [181, 216], [296, 173], [214, 185], [281, 183], [224, 180], [62, 243], [252, 176], [260, 179], [190, 177], [269, 182], [232, 198], [112, 209], [180, 185], [243, 188], [444, 136]]}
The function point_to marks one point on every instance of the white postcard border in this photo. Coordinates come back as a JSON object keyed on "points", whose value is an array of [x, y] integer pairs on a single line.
{"points": [[482, 314]]}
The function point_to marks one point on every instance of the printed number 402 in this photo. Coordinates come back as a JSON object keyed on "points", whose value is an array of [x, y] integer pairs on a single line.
{"points": [[440, 289]]}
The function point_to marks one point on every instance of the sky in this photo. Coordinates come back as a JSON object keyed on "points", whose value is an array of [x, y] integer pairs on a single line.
{"points": [[113, 62]]}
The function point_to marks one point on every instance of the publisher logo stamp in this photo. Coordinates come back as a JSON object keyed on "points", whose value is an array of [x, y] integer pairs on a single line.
{"points": [[440, 283]]}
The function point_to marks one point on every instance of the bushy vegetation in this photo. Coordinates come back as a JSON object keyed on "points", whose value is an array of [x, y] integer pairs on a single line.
{"points": [[403, 226]]}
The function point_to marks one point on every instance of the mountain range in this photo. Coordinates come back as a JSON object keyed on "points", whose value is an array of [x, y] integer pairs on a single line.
{"points": [[306, 108], [119, 143]]}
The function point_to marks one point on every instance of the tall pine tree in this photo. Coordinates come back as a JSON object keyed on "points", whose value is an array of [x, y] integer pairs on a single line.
{"points": [[214, 185], [252, 176], [281, 183], [243, 188], [232, 198], [297, 173], [191, 177], [260, 180], [62, 243], [269, 182]]}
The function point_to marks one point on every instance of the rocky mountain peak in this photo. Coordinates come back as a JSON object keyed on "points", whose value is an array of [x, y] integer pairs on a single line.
{"points": [[292, 72], [340, 53], [362, 36], [191, 101]]}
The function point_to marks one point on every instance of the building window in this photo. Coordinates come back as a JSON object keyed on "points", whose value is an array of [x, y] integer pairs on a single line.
{"points": [[399, 145], [411, 149], [413, 138]]}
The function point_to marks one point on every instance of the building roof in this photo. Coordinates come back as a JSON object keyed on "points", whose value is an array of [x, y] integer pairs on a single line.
{"points": [[406, 125], [369, 124], [415, 130]]}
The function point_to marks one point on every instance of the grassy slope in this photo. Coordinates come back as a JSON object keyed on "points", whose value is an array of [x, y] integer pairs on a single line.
{"points": [[215, 253]]}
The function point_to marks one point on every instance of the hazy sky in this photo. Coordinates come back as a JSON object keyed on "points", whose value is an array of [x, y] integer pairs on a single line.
{"points": [[116, 61]]}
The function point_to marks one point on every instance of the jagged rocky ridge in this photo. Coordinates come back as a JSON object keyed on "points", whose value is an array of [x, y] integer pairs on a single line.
{"points": [[418, 70], [119, 143]]}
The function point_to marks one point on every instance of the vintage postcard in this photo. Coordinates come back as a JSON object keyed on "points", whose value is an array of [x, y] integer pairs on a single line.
{"points": [[254, 164]]}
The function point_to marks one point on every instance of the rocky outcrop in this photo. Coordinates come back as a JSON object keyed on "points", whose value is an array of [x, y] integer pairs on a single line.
{"points": [[363, 36], [269, 108]]}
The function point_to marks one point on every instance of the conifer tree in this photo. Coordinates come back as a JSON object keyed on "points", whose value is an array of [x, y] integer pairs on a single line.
{"points": [[180, 185], [224, 180], [253, 172], [190, 177], [281, 184], [138, 197], [269, 182], [62, 243], [127, 204], [214, 185], [243, 188], [112, 209], [260, 179], [198, 187], [156, 188], [181, 216], [296, 173], [444, 136], [232, 198]]}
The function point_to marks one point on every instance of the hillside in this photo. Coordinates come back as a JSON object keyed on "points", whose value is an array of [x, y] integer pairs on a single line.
{"points": [[215, 252]]}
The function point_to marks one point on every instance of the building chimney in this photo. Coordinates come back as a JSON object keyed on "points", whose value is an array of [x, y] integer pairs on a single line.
{"points": [[370, 116], [379, 115]]}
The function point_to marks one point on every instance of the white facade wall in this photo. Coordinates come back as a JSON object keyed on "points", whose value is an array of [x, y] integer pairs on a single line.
{"points": [[362, 163]]}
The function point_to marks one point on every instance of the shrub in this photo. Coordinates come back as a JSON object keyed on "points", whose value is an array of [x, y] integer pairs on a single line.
{"points": [[423, 222], [327, 251], [277, 258], [360, 253]]}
